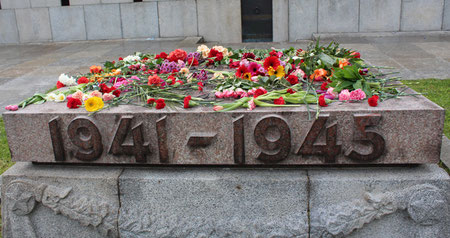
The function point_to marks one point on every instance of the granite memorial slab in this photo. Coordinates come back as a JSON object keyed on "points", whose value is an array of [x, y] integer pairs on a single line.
{"points": [[407, 130]]}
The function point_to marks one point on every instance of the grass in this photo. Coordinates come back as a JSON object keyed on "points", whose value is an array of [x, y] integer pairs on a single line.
{"points": [[5, 156], [437, 91]]}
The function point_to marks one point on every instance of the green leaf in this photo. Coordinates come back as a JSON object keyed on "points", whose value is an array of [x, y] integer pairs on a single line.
{"points": [[327, 60], [357, 85]]}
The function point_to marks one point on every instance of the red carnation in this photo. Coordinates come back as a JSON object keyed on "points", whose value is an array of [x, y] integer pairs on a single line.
{"points": [[258, 92], [160, 104], [213, 53], [273, 53], [271, 61], [373, 101], [177, 54], [120, 58], [219, 56], [356, 55], [73, 103], [200, 86], [104, 88], [324, 86], [248, 55], [186, 101], [279, 101], [150, 101], [59, 85], [241, 71], [322, 101], [292, 79], [116, 92], [192, 61], [82, 80], [162, 55], [290, 90], [210, 62], [234, 64]]}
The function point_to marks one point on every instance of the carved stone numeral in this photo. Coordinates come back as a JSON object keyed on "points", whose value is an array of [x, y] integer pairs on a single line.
{"points": [[273, 135], [162, 140], [238, 140], [85, 135], [330, 150], [57, 142], [364, 136], [139, 148]]}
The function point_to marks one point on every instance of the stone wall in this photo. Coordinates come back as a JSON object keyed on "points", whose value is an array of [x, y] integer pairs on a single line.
{"points": [[25, 21]]}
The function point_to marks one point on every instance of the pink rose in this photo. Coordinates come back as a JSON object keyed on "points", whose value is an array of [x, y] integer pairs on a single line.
{"points": [[108, 96], [12, 107], [330, 92], [344, 95], [357, 94]]}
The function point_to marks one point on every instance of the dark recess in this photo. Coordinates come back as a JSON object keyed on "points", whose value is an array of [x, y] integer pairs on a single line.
{"points": [[65, 2], [256, 20]]}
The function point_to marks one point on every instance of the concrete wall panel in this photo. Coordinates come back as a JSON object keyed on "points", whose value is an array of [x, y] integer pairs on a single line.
{"points": [[33, 25], [338, 16], [380, 15], [422, 15], [8, 29], [67, 23], [103, 21], [302, 19], [139, 19]]}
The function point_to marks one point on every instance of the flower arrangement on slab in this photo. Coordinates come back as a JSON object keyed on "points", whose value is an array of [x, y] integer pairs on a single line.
{"points": [[226, 79]]}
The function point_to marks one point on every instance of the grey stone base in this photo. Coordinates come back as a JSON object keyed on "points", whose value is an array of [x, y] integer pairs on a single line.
{"points": [[70, 201]]}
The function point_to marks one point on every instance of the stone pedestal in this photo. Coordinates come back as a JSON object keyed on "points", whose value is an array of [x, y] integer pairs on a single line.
{"points": [[81, 201]]}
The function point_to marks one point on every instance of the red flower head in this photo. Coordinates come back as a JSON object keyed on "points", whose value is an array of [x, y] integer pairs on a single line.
{"points": [[160, 104], [273, 53], [271, 61], [200, 86], [104, 88], [162, 55], [241, 71], [212, 53], [177, 54], [248, 55], [322, 101], [154, 80], [82, 80], [234, 64], [116, 92], [258, 92], [292, 79], [356, 55], [95, 69], [210, 62], [73, 103], [279, 101], [151, 101], [324, 86], [219, 56], [59, 85], [290, 90], [192, 61], [120, 58], [186, 101], [373, 101]]}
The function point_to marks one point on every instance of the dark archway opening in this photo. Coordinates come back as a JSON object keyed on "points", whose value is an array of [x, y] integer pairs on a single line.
{"points": [[257, 22]]}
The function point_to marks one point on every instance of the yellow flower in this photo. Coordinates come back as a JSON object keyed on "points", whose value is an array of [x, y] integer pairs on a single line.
{"points": [[247, 76], [94, 104], [280, 72], [270, 71]]}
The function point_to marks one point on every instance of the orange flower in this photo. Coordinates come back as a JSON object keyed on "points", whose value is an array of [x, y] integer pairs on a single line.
{"points": [[154, 80], [247, 76], [95, 69], [319, 75], [343, 63]]}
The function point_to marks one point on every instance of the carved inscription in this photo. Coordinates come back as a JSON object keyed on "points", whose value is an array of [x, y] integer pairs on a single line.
{"points": [[364, 136], [330, 150], [272, 135], [85, 135]]}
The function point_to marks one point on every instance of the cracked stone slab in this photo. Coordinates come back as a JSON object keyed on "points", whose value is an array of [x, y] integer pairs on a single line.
{"points": [[194, 202], [380, 202], [60, 201]]}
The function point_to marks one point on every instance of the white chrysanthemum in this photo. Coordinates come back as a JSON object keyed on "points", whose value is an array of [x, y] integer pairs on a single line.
{"points": [[66, 80], [50, 97], [60, 98], [132, 58]]}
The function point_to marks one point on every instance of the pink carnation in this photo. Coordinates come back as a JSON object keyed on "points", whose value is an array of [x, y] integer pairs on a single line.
{"points": [[12, 107], [78, 95], [108, 96], [219, 94], [96, 93], [251, 105], [330, 92], [344, 95], [357, 94]]}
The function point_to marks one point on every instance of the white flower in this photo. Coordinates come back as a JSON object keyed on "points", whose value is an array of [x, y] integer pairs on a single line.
{"points": [[66, 80], [131, 58], [50, 97], [60, 98]]}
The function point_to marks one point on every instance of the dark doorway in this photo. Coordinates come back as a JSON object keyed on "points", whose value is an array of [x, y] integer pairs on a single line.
{"points": [[256, 20]]}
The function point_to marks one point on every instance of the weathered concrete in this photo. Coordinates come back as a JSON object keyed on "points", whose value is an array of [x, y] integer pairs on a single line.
{"points": [[379, 15], [213, 203], [177, 18], [445, 151], [33, 24], [302, 19], [403, 131], [338, 16], [139, 20], [67, 23], [83, 2], [280, 12], [421, 15], [11, 4], [8, 29], [45, 3], [57, 201], [103, 21], [446, 22], [380, 202], [217, 20]]}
